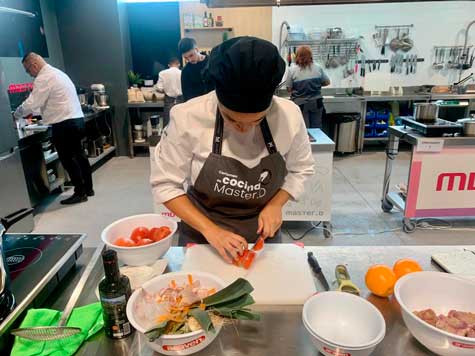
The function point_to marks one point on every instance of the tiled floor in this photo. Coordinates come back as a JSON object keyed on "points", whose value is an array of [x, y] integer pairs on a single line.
{"points": [[122, 189]]}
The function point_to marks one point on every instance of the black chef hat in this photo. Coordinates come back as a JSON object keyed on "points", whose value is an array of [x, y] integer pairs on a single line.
{"points": [[246, 71]]}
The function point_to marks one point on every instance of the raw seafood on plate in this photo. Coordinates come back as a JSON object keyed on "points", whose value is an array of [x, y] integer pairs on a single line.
{"points": [[187, 307]]}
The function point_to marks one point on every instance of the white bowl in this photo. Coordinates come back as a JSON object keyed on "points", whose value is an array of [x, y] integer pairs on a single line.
{"points": [[344, 323], [185, 344], [140, 255], [441, 292]]}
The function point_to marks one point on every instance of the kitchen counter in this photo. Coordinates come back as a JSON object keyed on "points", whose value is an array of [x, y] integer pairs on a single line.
{"points": [[26, 137], [389, 97], [280, 332], [412, 136]]}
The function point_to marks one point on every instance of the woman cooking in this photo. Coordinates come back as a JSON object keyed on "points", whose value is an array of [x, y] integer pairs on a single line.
{"points": [[242, 152], [304, 83]]}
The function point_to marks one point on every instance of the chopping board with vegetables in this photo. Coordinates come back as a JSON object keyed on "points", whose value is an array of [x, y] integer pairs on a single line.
{"points": [[280, 274]]}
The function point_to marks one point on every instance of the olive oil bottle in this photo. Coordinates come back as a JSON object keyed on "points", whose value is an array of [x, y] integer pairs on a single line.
{"points": [[114, 291]]}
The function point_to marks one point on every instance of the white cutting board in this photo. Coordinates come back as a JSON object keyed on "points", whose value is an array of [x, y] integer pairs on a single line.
{"points": [[280, 274]]}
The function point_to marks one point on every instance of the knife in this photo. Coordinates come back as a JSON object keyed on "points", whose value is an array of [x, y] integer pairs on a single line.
{"points": [[312, 261]]}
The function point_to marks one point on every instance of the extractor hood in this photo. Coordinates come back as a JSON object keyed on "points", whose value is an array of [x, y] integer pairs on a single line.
{"points": [[239, 3]]}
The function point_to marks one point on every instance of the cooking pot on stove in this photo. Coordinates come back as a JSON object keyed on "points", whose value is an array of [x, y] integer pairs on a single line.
{"points": [[468, 126], [7, 300]]}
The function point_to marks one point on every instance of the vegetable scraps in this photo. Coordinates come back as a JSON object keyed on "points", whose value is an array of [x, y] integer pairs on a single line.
{"points": [[191, 307], [141, 236]]}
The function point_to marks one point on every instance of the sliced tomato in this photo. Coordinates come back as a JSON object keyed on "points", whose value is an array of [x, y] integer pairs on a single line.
{"points": [[139, 233], [144, 242], [259, 245], [159, 233], [247, 259], [123, 242]]}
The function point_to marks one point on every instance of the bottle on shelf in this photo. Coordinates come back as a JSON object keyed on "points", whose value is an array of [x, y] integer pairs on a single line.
{"points": [[219, 21], [114, 292], [210, 20], [205, 20]]}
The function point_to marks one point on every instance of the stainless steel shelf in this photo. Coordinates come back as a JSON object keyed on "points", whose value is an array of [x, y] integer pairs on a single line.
{"points": [[51, 158], [141, 144], [208, 29], [369, 139], [107, 151], [56, 184], [155, 104]]}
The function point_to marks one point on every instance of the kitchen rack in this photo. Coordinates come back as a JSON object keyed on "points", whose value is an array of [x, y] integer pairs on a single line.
{"points": [[323, 50]]}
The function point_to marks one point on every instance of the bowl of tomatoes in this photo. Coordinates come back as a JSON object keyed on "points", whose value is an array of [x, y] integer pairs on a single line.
{"points": [[140, 239]]}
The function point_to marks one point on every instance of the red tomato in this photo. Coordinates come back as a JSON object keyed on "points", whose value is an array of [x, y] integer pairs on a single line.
{"points": [[123, 242], [159, 233], [258, 245], [139, 233], [247, 259], [144, 242]]}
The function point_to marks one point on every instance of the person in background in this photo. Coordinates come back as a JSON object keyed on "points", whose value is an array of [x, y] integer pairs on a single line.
{"points": [[54, 96], [193, 83], [169, 82], [304, 83]]}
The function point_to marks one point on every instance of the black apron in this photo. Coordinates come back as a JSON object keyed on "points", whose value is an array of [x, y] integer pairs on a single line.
{"points": [[232, 195]]}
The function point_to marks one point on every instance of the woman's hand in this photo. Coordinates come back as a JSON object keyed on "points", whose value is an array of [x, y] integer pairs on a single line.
{"points": [[229, 245], [270, 218]]}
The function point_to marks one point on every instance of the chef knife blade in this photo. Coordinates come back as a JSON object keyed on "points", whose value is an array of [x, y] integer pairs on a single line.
{"points": [[312, 261]]}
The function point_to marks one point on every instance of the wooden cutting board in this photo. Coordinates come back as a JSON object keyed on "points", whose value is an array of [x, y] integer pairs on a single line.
{"points": [[280, 275]]}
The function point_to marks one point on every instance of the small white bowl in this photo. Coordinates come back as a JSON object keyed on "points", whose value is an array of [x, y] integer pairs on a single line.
{"points": [[441, 292], [185, 344], [139, 255], [344, 323]]}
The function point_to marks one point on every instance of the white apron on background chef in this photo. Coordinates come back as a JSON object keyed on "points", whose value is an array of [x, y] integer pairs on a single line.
{"points": [[242, 152]]}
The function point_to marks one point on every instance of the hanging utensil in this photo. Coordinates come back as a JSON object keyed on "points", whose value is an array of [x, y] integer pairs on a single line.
{"points": [[394, 44], [61, 331], [385, 38], [345, 284]]}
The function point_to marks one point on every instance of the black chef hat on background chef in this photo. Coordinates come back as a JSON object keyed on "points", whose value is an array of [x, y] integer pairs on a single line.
{"points": [[246, 71]]}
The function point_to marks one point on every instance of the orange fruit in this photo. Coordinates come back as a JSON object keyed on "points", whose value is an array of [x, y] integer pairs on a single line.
{"points": [[405, 266], [380, 280]]}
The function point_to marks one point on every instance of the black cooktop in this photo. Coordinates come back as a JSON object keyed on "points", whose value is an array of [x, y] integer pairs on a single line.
{"points": [[437, 128], [38, 263]]}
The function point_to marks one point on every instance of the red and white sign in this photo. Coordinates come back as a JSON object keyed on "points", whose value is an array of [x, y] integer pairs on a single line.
{"points": [[335, 352], [442, 184], [463, 346], [184, 346]]}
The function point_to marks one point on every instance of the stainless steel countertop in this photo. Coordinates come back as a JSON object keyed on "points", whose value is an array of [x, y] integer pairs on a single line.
{"points": [[281, 332], [412, 136], [406, 97]]}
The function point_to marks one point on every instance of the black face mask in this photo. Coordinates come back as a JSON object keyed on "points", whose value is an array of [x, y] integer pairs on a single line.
{"points": [[246, 72]]}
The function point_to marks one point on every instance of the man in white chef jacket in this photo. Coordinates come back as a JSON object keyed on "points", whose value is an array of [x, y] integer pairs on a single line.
{"points": [[169, 82], [54, 96]]}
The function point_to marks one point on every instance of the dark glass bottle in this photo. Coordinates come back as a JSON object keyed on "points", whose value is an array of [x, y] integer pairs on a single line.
{"points": [[114, 291]]}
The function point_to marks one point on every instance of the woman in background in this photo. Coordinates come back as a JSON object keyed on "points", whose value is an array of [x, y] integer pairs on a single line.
{"points": [[304, 83]]}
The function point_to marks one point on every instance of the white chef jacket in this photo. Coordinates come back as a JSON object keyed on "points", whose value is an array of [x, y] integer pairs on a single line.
{"points": [[53, 97], [169, 82], [187, 143]]}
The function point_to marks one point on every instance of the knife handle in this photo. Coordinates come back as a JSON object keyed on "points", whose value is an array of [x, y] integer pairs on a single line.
{"points": [[312, 261]]}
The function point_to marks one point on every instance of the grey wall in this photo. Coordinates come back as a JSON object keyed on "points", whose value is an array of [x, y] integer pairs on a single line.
{"points": [[96, 50], [14, 72]]}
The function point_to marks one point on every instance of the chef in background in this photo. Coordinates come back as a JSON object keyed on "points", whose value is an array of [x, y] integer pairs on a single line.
{"points": [[54, 96], [193, 83], [242, 152], [169, 82], [304, 83]]}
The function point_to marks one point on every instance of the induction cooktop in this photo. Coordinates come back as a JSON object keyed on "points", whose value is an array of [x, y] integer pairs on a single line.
{"points": [[38, 263]]}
